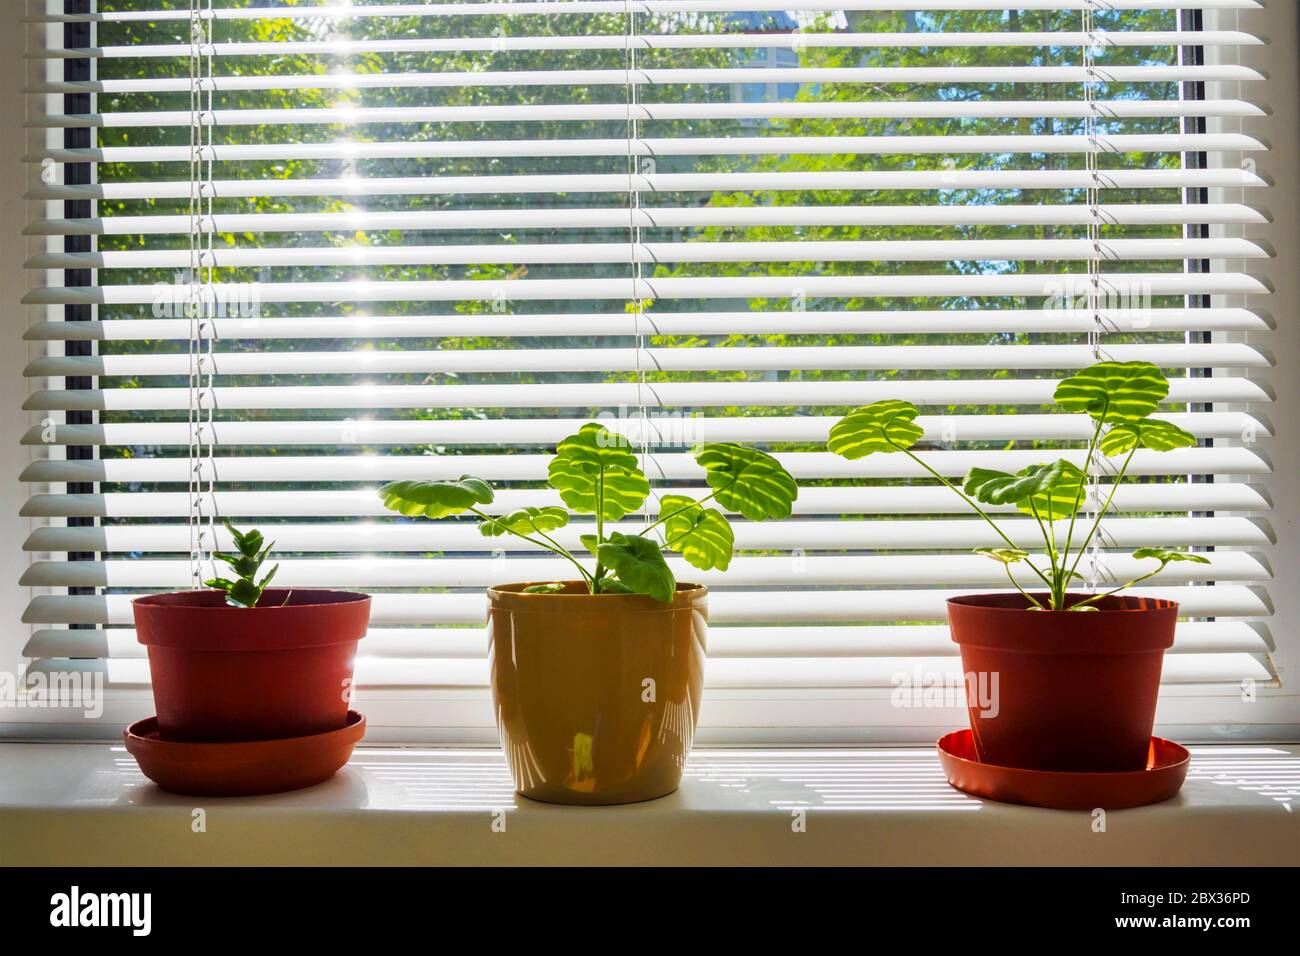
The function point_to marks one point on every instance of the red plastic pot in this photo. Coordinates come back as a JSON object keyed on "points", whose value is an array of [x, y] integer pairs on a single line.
{"points": [[235, 674], [1062, 690]]}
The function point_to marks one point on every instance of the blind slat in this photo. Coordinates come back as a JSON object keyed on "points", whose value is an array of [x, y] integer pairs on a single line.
{"points": [[894, 570], [664, 183], [525, 467], [966, 357], [658, 218], [681, 146], [725, 607], [898, 321], [880, 500], [724, 40], [606, 395], [721, 676], [1045, 285], [896, 533], [565, 78], [548, 431], [543, 7], [908, 250], [827, 640]]}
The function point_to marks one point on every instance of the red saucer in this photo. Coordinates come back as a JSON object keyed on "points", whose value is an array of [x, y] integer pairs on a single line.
{"points": [[241, 769], [1164, 774]]}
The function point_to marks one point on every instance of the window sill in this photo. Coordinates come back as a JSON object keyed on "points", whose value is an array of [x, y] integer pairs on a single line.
{"points": [[88, 804]]}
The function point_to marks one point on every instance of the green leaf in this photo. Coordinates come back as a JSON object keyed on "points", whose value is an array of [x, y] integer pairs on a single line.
{"points": [[590, 542], [639, 564], [1055, 490], [887, 426], [527, 521], [612, 586], [596, 469], [1005, 555], [261, 585], [552, 588], [994, 487], [747, 480], [243, 593], [221, 584], [244, 566], [435, 499], [1114, 391], [1167, 555], [702, 535], [1148, 433], [248, 543]]}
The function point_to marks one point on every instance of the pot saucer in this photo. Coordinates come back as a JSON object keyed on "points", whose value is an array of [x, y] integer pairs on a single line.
{"points": [[1163, 776], [241, 768]]}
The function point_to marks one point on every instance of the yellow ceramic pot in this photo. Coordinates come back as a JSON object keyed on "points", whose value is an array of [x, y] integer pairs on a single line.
{"points": [[596, 696]]}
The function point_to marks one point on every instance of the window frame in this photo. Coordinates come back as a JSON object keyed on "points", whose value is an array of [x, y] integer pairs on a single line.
{"points": [[1194, 713]]}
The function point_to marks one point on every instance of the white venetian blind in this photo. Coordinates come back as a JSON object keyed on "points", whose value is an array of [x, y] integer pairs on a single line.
{"points": [[446, 234]]}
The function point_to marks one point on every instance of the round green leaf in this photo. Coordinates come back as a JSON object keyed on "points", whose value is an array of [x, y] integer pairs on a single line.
{"points": [[1053, 490], [1114, 391], [702, 535], [639, 564], [1062, 493], [886, 426], [747, 480], [595, 470], [1005, 555], [596, 446], [994, 487], [1166, 555], [526, 521], [435, 499], [1148, 433]]}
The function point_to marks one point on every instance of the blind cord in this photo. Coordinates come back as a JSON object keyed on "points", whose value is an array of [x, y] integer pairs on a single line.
{"points": [[1094, 464], [634, 237], [200, 299]]}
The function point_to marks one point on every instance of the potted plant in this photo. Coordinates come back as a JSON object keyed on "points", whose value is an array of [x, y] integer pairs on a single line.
{"points": [[1077, 675], [596, 680], [245, 662]]}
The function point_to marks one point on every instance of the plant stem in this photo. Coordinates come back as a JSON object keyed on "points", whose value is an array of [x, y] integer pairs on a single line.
{"points": [[1129, 584], [548, 544], [1078, 497], [600, 528], [966, 498], [672, 514], [1051, 550], [1101, 512], [1016, 584]]}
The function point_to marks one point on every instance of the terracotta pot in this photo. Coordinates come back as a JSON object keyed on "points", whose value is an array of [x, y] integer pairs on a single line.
{"points": [[1062, 690], [235, 674], [596, 696]]}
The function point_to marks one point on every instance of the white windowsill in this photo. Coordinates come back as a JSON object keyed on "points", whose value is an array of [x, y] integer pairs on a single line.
{"points": [[88, 804]]}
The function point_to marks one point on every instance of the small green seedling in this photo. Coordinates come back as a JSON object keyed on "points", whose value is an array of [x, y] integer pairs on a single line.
{"points": [[1119, 397], [596, 472], [245, 590]]}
